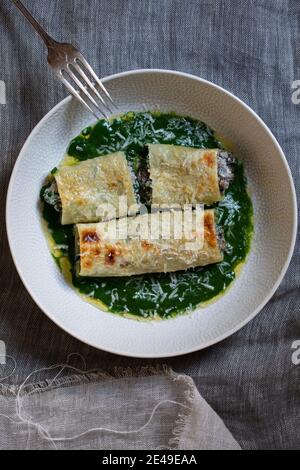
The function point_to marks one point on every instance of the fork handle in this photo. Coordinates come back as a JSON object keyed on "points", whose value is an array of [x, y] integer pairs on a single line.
{"points": [[48, 40]]}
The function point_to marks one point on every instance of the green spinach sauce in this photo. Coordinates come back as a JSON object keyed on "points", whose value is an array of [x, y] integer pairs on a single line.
{"points": [[159, 295]]}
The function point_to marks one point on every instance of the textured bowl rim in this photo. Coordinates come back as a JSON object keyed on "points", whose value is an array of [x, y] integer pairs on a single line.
{"points": [[239, 325]]}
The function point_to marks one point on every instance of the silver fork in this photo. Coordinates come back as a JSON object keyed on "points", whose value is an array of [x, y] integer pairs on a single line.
{"points": [[70, 67]]}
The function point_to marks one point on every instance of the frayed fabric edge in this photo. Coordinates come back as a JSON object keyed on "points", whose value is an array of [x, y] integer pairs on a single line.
{"points": [[119, 373], [182, 416]]}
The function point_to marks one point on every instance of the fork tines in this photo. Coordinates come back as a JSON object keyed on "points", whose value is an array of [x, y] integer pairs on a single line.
{"points": [[90, 90]]}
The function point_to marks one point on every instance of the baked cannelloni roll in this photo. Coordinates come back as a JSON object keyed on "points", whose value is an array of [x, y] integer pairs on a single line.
{"points": [[85, 187], [107, 249], [186, 175]]}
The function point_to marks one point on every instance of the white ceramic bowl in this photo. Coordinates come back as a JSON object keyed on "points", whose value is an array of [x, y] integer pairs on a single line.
{"points": [[275, 215]]}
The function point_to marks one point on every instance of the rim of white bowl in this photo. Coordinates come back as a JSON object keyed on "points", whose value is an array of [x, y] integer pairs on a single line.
{"points": [[240, 324]]}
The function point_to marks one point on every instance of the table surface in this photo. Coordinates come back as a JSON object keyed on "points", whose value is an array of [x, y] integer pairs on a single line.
{"points": [[251, 49]]}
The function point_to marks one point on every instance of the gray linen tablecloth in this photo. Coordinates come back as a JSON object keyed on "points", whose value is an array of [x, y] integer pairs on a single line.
{"points": [[251, 48]]}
